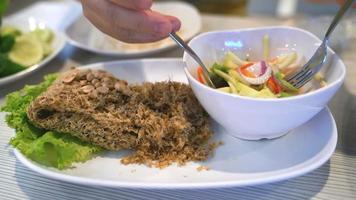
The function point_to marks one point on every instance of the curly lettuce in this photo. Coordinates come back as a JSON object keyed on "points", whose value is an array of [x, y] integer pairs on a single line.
{"points": [[49, 148]]}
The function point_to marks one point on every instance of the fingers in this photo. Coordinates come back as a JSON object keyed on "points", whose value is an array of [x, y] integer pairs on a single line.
{"points": [[175, 23], [135, 37], [134, 4], [143, 26]]}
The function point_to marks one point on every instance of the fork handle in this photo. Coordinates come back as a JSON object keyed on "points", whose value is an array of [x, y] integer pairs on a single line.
{"points": [[190, 51], [337, 18], [182, 44]]}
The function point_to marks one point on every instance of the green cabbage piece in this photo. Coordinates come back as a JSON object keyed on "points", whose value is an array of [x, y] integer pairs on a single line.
{"points": [[49, 148]]}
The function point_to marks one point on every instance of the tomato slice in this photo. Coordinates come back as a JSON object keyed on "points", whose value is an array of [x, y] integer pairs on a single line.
{"points": [[273, 85]]}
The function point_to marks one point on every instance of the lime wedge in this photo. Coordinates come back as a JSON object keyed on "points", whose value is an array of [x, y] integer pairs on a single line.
{"points": [[10, 30], [26, 51], [47, 49], [43, 35]]}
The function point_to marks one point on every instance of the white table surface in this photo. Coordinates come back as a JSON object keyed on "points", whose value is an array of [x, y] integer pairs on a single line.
{"points": [[336, 179]]}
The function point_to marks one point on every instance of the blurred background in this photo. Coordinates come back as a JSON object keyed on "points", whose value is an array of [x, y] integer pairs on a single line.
{"points": [[312, 15], [282, 8]]}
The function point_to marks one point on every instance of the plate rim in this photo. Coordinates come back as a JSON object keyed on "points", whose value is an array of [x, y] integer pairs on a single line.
{"points": [[133, 54], [274, 176], [61, 44]]}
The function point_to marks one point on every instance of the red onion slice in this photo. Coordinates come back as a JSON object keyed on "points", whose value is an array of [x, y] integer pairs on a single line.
{"points": [[265, 73]]}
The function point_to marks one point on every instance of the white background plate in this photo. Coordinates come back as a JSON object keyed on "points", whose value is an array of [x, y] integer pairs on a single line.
{"points": [[84, 35], [236, 163], [26, 24]]}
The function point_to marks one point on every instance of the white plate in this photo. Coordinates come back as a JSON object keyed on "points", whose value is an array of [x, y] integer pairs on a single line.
{"points": [[235, 163], [27, 24], [84, 35]]}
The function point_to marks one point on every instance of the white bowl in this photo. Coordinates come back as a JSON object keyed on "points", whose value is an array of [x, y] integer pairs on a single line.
{"points": [[252, 118]]}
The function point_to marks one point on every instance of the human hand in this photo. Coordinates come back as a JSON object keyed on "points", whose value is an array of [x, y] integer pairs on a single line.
{"points": [[129, 20]]}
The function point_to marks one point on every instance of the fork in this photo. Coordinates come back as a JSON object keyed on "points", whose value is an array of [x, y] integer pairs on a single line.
{"points": [[191, 52], [318, 59]]}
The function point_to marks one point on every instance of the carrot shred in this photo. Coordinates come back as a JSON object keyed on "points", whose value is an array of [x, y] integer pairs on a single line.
{"points": [[245, 72], [201, 78], [246, 65]]}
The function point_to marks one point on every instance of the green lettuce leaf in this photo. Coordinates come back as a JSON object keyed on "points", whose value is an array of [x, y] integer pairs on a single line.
{"points": [[3, 6], [59, 150]]}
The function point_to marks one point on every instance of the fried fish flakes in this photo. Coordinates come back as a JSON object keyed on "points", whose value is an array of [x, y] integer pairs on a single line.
{"points": [[162, 122]]}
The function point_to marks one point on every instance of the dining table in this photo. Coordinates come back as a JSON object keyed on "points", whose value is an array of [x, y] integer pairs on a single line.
{"points": [[336, 179]]}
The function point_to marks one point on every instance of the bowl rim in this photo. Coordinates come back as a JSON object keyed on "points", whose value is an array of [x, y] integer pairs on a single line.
{"points": [[339, 80]]}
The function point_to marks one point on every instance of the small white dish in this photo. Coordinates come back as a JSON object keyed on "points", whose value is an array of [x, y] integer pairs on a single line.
{"points": [[236, 163], [25, 25], [255, 118], [82, 34]]}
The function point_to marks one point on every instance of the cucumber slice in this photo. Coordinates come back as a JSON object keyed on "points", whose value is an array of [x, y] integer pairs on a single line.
{"points": [[285, 94], [285, 85], [26, 51], [221, 67], [229, 63], [234, 58], [225, 89], [10, 30]]}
